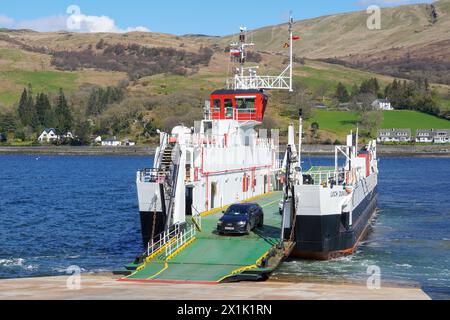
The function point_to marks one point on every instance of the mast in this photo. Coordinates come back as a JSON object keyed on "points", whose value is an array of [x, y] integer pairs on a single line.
{"points": [[247, 78], [291, 50]]}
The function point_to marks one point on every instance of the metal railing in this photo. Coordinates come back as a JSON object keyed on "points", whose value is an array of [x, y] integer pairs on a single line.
{"points": [[152, 176], [182, 239], [164, 239], [319, 178]]}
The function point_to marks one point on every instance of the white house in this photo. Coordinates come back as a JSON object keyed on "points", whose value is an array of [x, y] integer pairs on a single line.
{"points": [[98, 139], [382, 104], [442, 136], [394, 135], [111, 142], [424, 136], [433, 135], [48, 135]]}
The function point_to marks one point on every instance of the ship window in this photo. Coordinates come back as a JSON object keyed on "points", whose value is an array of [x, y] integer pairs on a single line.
{"points": [[217, 105], [245, 104], [229, 108]]}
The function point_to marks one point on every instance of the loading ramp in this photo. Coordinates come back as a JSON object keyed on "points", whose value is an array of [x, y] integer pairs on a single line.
{"points": [[210, 258]]}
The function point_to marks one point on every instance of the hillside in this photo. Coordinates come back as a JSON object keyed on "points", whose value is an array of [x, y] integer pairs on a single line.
{"points": [[409, 38], [167, 77]]}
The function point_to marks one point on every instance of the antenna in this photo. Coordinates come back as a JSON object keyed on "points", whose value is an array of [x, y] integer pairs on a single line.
{"points": [[252, 80]]}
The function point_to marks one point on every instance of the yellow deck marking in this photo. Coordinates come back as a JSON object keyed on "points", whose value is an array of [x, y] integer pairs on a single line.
{"points": [[240, 270], [166, 265]]}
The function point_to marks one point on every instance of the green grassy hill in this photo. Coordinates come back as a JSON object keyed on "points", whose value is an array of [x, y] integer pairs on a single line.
{"points": [[413, 120], [340, 123]]}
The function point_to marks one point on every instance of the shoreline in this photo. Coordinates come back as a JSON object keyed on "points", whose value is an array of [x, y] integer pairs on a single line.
{"points": [[105, 286], [148, 151]]}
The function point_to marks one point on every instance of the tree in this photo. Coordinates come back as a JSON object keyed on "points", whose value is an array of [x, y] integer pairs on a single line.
{"points": [[342, 93], [22, 108], [26, 109], [83, 132], [7, 123], [63, 114], [369, 122], [370, 86], [355, 90], [44, 111], [315, 129]]}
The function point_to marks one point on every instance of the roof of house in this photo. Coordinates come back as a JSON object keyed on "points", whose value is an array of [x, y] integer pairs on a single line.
{"points": [[394, 132], [48, 130], [111, 140], [382, 101], [433, 131]]}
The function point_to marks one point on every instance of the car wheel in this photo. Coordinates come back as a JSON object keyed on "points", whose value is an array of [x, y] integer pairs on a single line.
{"points": [[249, 228], [261, 223]]}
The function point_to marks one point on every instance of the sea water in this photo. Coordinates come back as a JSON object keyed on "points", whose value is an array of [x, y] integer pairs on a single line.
{"points": [[60, 211]]}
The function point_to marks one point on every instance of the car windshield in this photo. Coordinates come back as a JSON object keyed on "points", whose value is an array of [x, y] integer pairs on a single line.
{"points": [[236, 211]]}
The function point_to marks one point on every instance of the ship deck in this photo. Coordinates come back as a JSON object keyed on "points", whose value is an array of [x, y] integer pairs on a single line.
{"points": [[212, 258]]}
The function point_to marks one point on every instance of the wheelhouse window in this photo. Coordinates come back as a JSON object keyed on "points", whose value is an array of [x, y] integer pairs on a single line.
{"points": [[216, 105], [246, 104], [228, 108]]}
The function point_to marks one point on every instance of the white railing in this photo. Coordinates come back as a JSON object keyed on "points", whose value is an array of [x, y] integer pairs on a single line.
{"points": [[282, 82], [183, 238], [152, 176], [164, 239], [324, 177]]}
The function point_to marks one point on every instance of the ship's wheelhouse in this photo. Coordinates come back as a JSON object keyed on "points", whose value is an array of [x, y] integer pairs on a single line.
{"points": [[242, 105]]}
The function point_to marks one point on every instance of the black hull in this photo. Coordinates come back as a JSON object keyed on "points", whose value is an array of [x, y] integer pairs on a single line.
{"points": [[151, 225], [328, 237]]}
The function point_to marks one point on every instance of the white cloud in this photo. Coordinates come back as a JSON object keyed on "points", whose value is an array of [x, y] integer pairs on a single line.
{"points": [[5, 20], [74, 23]]}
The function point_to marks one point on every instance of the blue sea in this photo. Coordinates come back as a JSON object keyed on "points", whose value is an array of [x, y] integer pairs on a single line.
{"points": [[58, 211]]}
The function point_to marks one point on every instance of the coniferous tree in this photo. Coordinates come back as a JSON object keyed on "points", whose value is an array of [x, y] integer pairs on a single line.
{"points": [[355, 90], [63, 114], [44, 110], [22, 108], [32, 116], [342, 93]]}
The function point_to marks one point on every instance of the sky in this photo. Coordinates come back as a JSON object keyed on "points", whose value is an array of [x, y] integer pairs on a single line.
{"points": [[169, 16]]}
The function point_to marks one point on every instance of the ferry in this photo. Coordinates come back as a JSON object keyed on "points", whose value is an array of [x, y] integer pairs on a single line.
{"points": [[328, 210], [199, 171]]}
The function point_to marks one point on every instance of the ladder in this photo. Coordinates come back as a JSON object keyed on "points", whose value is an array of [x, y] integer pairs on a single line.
{"points": [[170, 167]]}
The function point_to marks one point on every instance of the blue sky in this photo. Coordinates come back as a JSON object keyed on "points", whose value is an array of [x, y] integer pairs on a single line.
{"points": [[172, 16]]}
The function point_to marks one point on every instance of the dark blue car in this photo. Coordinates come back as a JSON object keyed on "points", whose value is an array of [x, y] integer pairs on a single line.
{"points": [[241, 219]]}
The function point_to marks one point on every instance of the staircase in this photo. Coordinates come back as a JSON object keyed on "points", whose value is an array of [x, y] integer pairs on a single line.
{"points": [[169, 167], [166, 160]]}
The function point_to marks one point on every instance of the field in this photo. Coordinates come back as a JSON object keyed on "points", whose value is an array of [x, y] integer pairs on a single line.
{"points": [[340, 123], [337, 122], [413, 120]]}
